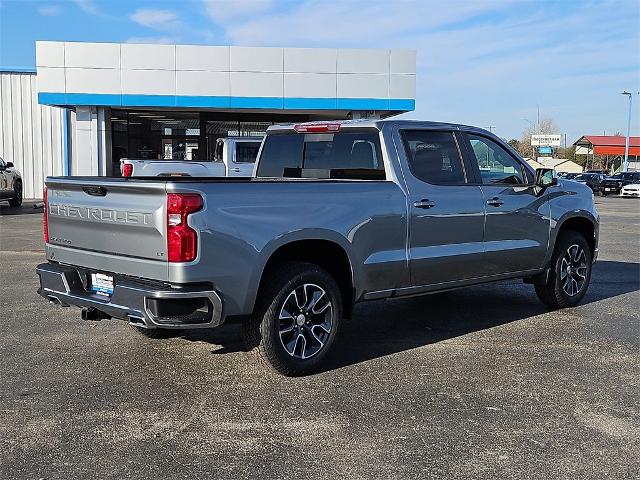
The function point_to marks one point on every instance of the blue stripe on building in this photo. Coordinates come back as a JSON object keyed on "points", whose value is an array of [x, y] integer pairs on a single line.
{"points": [[271, 103]]}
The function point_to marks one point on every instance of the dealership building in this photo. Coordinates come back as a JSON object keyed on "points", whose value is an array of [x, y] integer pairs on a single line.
{"points": [[90, 104]]}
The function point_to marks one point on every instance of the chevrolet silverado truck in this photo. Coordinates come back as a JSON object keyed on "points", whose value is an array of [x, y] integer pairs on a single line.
{"points": [[336, 214], [233, 157]]}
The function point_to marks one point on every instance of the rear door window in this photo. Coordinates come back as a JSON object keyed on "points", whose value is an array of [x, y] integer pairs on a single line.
{"points": [[343, 155], [434, 157]]}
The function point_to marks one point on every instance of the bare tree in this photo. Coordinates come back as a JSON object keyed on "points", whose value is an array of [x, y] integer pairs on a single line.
{"points": [[547, 126]]}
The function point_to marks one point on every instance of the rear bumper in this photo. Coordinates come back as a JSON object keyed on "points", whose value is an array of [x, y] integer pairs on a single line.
{"points": [[142, 304]]}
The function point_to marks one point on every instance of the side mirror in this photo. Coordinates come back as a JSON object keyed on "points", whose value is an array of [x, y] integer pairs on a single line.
{"points": [[546, 177], [9, 164]]}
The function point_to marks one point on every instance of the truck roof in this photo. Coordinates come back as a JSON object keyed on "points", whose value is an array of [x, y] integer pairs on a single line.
{"points": [[376, 123]]}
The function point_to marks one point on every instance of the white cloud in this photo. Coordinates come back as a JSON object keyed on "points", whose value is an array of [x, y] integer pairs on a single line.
{"points": [[49, 10], [88, 6], [224, 10], [318, 22], [155, 18], [481, 62], [158, 40]]}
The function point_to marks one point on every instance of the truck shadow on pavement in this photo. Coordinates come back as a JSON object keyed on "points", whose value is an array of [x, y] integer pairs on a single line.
{"points": [[27, 208], [382, 328]]}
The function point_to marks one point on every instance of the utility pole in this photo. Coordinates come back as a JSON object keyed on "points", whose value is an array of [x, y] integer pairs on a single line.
{"points": [[625, 165], [490, 128]]}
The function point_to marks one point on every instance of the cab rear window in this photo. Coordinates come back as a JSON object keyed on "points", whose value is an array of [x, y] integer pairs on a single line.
{"points": [[341, 155]]}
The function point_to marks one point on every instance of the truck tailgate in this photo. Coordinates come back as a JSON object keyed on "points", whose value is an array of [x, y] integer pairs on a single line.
{"points": [[122, 218]]}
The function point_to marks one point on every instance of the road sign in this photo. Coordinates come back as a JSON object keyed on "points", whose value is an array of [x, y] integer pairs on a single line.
{"points": [[545, 140], [545, 150]]}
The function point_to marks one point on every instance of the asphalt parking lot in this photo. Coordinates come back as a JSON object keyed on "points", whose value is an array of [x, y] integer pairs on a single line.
{"points": [[476, 383]]}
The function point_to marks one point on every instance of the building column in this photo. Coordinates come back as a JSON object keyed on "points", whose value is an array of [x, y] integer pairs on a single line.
{"points": [[104, 141], [91, 139]]}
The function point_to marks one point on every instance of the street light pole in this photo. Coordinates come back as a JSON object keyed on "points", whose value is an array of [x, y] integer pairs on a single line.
{"points": [[625, 166]]}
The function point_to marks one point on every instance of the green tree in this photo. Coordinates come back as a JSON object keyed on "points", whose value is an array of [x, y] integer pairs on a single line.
{"points": [[515, 144]]}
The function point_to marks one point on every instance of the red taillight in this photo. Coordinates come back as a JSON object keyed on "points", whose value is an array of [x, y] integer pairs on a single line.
{"points": [[317, 127], [182, 240], [45, 221], [127, 170]]}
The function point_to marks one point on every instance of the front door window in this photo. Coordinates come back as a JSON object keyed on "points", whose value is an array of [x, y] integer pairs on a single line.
{"points": [[497, 166]]}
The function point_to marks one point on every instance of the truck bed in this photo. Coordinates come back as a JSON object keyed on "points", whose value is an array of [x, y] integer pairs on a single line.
{"points": [[119, 225]]}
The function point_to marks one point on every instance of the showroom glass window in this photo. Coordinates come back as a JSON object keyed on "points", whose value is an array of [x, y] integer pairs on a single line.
{"points": [[497, 165], [155, 135], [434, 157], [177, 135]]}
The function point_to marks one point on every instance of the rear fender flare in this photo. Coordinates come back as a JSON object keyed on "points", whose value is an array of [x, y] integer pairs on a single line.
{"points": [[295, 236]]}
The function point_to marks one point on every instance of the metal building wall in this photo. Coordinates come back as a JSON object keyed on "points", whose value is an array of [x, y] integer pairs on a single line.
{"points": [[31, 135]]}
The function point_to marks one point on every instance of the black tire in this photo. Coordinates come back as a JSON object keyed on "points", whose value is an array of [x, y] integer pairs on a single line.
{"points": [[554, 294], [16, 201], [156, 333], [265, 334]]}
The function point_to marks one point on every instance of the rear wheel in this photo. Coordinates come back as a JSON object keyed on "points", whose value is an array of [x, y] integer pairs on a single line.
{"points": [[156, 333], [16, 201], [570, 272], [297, 316]]}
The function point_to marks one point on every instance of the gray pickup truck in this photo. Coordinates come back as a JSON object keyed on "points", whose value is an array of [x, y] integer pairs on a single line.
{"points": [[338, 213]]}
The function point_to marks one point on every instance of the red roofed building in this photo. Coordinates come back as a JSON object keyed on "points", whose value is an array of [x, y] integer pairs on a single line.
{"points": [[606, 145], [610, 150]]}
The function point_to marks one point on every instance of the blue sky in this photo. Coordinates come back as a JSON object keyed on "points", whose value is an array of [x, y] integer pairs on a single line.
{"points": [[481, 62]]}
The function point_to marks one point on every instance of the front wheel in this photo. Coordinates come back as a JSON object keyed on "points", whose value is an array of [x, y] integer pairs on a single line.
{"points": [[16, 201], [297, 316], [570, 272]]}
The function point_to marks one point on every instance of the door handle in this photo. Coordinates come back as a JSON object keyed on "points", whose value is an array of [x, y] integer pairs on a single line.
{"points": [[235, 169], [424, 203], [495, 202]]}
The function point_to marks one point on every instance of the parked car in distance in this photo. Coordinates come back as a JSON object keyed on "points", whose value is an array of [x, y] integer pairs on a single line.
{"points": [[614, 184], [630, 190], [10, 184], [234, 157], [591, 180], [337, 213], [603, 172], [567, 175]]}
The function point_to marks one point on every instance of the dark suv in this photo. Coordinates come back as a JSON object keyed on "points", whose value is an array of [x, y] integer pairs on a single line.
{"points": [[614, 184], [591, 180]]}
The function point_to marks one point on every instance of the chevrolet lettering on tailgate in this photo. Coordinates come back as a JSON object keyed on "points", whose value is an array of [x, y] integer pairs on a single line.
{"points": [[101, 214]]}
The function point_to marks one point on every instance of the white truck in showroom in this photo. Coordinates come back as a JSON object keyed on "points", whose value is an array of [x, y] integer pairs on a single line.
{"points": [[234, 157]]}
